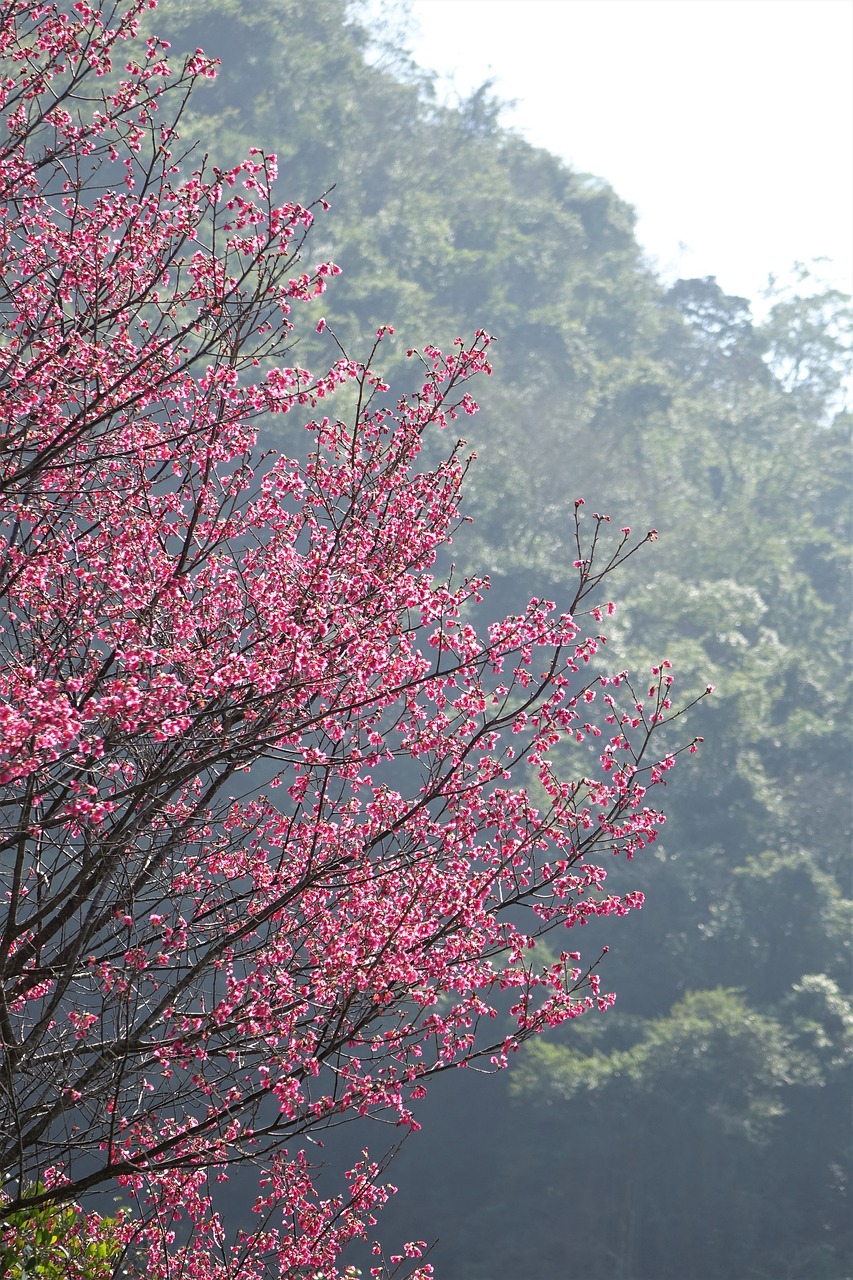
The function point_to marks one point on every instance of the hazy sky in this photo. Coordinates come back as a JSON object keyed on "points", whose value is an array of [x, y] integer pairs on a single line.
{"points": [[728, 124]]}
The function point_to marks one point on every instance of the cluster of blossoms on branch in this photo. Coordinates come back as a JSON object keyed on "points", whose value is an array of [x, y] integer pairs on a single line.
{"points": [[280, 826]]}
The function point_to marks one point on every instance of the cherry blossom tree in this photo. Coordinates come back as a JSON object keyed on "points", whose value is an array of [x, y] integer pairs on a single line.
{"points": [[280, 827]]}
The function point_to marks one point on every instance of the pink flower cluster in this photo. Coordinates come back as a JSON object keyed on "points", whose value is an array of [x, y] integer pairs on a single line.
{"points": [[283, 826]]}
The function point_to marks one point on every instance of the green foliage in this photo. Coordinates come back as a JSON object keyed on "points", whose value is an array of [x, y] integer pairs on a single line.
{"points": [[54, 1242], [710, 1045], [809, 341], [822, 1019], [781, 917]]}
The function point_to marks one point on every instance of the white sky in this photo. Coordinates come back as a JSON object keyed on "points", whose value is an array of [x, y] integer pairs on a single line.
{"points": [[728, 124]]}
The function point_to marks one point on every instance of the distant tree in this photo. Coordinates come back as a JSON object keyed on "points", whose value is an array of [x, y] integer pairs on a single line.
{"points": [[810, 341], [269, 861], [660, 1181]]}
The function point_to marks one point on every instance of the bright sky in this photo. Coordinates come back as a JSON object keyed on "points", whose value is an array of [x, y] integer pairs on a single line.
{"points": [[728, 124]]}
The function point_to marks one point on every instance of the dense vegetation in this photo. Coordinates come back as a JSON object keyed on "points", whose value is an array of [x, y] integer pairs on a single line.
{"points": [[700, 1129]]}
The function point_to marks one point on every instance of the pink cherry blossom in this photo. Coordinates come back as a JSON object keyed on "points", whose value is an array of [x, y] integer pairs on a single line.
{"points": [[282, 825]]}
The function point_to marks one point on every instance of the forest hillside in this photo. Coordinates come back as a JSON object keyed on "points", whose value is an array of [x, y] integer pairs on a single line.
{"points": [[700, 1129]]}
